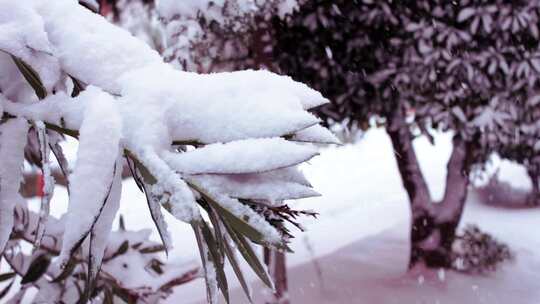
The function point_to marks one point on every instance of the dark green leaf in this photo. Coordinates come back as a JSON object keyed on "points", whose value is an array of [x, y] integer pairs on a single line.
{"points": [[124, 295], [77, 87], [121, 223], [249, 255], [123, 248], [146, 175], [202, 253], [6, 289], [157, 217], [7, 276], [108, 297], [31, 77], [216, 258], [236, 222], [152, 249], [67, 270], [156, 266], [37, 268], [231, 256]]}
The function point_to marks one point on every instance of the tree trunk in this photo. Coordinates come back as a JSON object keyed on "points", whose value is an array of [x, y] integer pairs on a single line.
{"points": [[276, 262], [433, 226], [435, 249], [534, 196]]}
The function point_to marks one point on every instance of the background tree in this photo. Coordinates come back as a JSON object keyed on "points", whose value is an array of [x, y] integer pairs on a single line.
{"points": [[469, 67], [67, 70]]}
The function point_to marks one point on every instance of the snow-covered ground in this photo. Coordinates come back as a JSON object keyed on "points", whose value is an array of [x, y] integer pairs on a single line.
{"points": [[356, 251]]}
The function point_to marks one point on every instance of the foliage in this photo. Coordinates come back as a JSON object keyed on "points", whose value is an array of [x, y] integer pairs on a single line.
{"points": [[235, 160], [467, 66], [478, 252]]}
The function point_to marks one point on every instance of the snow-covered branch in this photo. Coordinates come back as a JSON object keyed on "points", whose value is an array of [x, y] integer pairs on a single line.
{"points": [[68, 70]]}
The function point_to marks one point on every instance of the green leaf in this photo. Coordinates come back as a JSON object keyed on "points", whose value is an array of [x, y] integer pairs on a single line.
{"points": [[146, 175], [238, 223], [124, 295], [108, 297], [123, 248], [31, 77], [37, 268], [7, 276], [249, 255], [77, 86], [231, 256], [157, 217], [68, 268], [6, 289], [200, 245], [152, 249], [216, 258]]}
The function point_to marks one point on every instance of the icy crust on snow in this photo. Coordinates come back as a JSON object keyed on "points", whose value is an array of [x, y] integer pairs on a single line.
{"points": [[12, 142], [243, 156], [92, 178]]}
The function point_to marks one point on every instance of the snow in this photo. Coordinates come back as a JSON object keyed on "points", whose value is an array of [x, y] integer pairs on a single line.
{"points": [[255, 186], [316, 134], [359, 241], [72, 35], [93, 174], [241, 211], [222, 106], [30, 42], [245, 156], [170, 8], [12, 141], [101, 229]]}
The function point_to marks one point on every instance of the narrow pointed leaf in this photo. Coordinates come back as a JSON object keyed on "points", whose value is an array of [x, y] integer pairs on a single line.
{"points": [[217, 259], [37, 268], [31, 77], [7, 276], [231, 256], [238, 224], [210, 295], [249, 255]]}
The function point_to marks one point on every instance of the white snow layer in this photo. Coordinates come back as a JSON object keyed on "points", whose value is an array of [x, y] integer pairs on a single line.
{"points": [[12, 142], [102, 228], [92, 178], [244, 156], [135, 101]]}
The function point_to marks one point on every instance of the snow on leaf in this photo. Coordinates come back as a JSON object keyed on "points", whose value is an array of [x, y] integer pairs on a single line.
{"points": [[170, 189], [219, 107], [254, 186], [12, 141], [102, 227], [316, 134], [244, 156], [241, 217], [48, 186], [93, 174]]}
